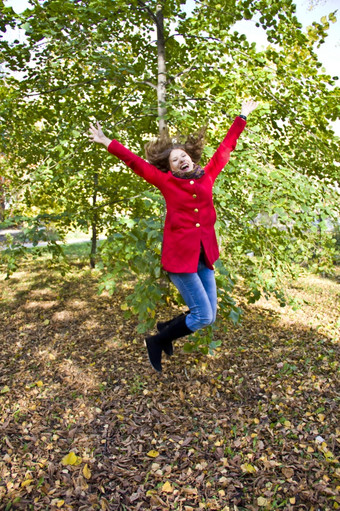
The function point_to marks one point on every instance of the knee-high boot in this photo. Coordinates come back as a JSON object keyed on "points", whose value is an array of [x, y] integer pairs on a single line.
{"points": [[155, 343], [167, 345], [162, 324]]}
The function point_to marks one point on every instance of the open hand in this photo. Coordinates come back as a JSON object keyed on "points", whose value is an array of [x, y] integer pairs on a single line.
{"points": [[97, 135], [248, 106]]}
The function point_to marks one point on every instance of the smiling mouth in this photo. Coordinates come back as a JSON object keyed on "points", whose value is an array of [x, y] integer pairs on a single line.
{"points": [[185, 166]]}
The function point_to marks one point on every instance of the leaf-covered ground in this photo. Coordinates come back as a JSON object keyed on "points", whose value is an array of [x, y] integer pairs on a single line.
{"points": [[86, 424]]}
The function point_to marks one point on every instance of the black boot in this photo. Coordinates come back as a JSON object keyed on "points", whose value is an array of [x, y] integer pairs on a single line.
{"points": [[167, 345], [162, 324], [155, 343]]}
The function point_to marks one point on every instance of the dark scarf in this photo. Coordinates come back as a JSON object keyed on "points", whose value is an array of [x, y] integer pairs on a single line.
{"points": [[195, 173]]}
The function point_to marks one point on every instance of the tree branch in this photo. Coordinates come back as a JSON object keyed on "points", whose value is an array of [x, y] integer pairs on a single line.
{"points": [[187, 70], [148, 10], [62, 87], [207, 38], [145, 82]]}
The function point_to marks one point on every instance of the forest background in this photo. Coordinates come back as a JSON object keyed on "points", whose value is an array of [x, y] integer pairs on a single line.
{"points": [[177, 66]]}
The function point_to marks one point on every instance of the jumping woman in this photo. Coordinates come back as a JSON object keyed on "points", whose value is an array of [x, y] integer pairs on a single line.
{"points": [[189, 242]]}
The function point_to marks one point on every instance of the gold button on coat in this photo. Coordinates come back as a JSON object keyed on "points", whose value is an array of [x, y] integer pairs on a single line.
{"points": [[196, 210], [192, 182], [194, 196], [198, 225]]}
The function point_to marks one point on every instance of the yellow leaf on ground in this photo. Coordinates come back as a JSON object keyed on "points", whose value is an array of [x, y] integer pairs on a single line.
{"points": [[27, 482], [167, 487], [87, 472], [120, 417], [150, 493], [57, 502], [247, 467], [329, 455], [153, 454], [71, 459], [39, 383], [261, 501]]}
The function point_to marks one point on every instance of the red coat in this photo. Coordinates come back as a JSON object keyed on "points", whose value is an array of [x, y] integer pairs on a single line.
{"points": [[190, 214]]}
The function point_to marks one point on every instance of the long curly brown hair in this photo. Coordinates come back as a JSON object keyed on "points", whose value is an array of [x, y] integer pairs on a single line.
{"points": [[158, 151]]}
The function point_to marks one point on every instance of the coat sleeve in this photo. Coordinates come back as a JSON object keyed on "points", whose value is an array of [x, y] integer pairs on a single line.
{"points": [[142, 168], [222, 154]]}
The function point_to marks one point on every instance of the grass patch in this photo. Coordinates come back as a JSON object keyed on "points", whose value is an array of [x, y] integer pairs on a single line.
{"points": [[79, 250]]}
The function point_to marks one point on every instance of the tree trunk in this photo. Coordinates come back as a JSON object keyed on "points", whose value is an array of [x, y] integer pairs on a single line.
{"points": [[161, 81], [2, 200], [94, 224], [93, 244]]}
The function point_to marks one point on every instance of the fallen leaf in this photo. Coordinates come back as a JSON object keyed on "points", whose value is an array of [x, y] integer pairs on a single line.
{"points": [[167, 488], [150, 493], [247, 467], [87, 472], [153, 454], [71, 459], [288, 472], [27, 482], [261, 501]]}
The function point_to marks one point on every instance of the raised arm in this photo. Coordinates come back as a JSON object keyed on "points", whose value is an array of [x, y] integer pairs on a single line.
{"points": [[222, 154], [141, 167]]}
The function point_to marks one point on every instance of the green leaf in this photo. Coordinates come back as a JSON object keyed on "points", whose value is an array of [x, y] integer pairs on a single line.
{"points": [[188, 347], [234, 315]]}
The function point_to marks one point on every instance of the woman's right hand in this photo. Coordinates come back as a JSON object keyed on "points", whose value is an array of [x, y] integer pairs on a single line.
{"points": [[97, 135]]}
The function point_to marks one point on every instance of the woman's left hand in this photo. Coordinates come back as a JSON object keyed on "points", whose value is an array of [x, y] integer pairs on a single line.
{"points": [[248, 107]]}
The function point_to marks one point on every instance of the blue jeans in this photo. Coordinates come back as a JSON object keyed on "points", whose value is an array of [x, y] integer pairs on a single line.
{"points": [[198, 290]]}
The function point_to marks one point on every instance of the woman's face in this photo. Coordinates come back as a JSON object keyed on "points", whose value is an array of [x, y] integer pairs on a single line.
{"points": [[180, 161]]}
